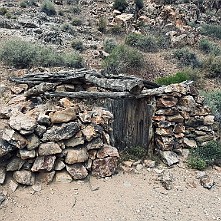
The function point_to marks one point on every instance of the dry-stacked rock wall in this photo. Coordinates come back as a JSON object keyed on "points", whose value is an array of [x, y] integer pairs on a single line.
{"points": [[181, 119], [67, 141]]}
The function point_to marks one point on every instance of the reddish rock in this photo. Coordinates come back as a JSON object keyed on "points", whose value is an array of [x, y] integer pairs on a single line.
{"points": [[106, 151], [166, 101], [176, 118], [77, 171], [104, 167], [76, 156], [43, 163]]}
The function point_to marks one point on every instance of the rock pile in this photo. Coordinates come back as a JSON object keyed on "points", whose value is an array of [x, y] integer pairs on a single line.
{"points": [[181, 120], [67, 141]]}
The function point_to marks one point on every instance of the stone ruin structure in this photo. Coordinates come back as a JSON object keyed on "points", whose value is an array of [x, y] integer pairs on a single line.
{"points": [[66, 125]]}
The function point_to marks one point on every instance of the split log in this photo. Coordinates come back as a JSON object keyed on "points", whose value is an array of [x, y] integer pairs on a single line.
{"points": [[89, 95]]}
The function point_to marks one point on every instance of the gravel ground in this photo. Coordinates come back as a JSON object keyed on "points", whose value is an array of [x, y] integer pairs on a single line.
{"points": [[122, 197]]}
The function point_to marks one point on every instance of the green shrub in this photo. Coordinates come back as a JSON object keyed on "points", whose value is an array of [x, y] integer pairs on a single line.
{"points": [[123, 59], [76, 22], [77, 45], [22, 54], [206, 155], [187, 58], [70, 2], [68, 28], [75, 10], [102, 24], [172, 79], [141, 42], [133, 153], [139, 4], [215, 67], [27, 3], [211, 30], [120, 5], [116, 30], [109, 44], [48, 8], [3, 11], [209, 48]]}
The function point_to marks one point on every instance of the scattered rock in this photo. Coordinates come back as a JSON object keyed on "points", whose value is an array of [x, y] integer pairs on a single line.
{"points": [[24, 177], [36, 187], [207, 182], [2, 175], [167, 180]]}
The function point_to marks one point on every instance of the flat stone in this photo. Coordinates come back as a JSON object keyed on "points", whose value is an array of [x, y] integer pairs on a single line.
{"points": [[209, 120], [2, 175], [59, 165], [104, 167], [159, 118], [76, 156], [49, 148], [22, 122], [188, 103], [63, 177], [164, 131], [175, 118], [65, 102], [24, 177], [5, 148], [77, 171], [15, 164], [166, 101], [74, 142], [150, 163], [95, 144], [167, 111], [14, 138], [33, 142], [190, 143], [204, 138], [179, 128], [169, 157], [89, 132], [106, 151], [46, 177], [167, 180], [26, 154], [164, 124], [43, 163], [63, 132], [63, 116], [13, 185]]}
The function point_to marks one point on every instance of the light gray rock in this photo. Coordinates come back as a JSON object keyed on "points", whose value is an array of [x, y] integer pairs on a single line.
{"points": [[40, 130], [63, 116], [63, 177], [59, 165], [44, 119], [74, 141], [190, 143], [77, 171], [23, 122], [2, 198], [63, 132], [49, 148], [33, 142], [95, 144], [167, 180], [2, 175], [13, 185], [89, 132], [14, 138], [207, 182], [26, 154], [24, 177], [169, 157], [43, 163], [15, 164], [76, 156], [46, 177]]}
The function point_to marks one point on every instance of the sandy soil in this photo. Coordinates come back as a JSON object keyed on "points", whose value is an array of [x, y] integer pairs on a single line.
{"points": [[122, 197]]}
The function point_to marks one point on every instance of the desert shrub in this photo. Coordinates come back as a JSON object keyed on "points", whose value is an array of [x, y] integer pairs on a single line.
{"points": [[75, 10], [76, 22], [211, 30], [48, 8], [141, 42], [206, 155], [133, 153], [27, 3], [68, 28], [172, 79], [209, 47], [123, 59], [120, 5], [77, 45], [116, 30], [109, 44], [22, 54], [102, 24], [215, 67], [70, 2], [3, 11], [187, 58]]}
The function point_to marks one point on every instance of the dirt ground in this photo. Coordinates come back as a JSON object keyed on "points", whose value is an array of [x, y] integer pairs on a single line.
{"points": [[133, 197]]}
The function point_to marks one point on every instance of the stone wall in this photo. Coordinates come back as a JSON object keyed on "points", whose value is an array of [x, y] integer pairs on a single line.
{"points": [[66, 141], [181, 120]]}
